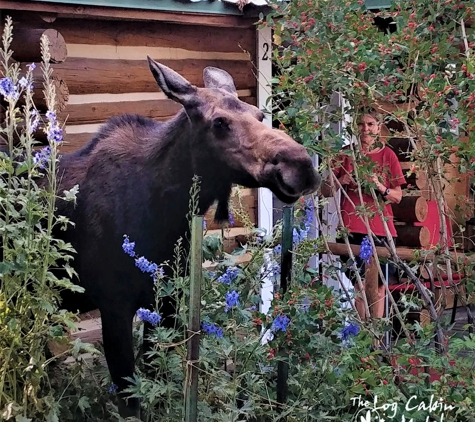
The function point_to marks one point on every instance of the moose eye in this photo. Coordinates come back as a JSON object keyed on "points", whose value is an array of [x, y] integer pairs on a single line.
{"points": [[220, 123]]}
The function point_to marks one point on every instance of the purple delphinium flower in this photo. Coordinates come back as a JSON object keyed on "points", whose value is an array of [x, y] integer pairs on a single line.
{"points": [[230, 274], [145, 265], [212, 329], [278, 249], [299, 235], [51, 115], [232, 299], [309, 212], [32, 66], [8, 89], [128, 246], [112, 389], [231, 218], [160, 273], [141, 262], [35, 122], [150, 317], [306, 304], [366, 250], [25, 84], [274, 269], [349, 330], [54, 132], [40, 158], [280, 323]]}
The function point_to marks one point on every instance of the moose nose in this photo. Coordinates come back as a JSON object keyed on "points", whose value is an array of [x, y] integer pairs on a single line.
{"points": [[297, 172], [312, 180]]}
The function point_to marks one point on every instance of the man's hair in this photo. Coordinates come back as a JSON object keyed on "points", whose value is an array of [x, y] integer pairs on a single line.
{"points": [[365, 111]]}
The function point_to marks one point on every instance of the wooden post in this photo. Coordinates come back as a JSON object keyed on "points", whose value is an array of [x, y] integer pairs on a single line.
{"points": [[285, 270], [193, 345], [26, 45], [371, 286]]}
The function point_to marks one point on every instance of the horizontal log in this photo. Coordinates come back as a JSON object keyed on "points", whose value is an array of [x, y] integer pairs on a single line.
{"points": [[26, 45], [95, 76], [61, 94], [99, 112], [149, 34], [404, 253], [9, 7], [413, 236], [411, 209], [402, 147]]}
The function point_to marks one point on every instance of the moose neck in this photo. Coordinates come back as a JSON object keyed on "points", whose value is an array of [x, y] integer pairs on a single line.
{"points": [[187, 156]]}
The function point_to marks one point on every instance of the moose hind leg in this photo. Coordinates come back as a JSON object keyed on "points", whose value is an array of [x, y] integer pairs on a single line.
{"points": [[118, 349]]}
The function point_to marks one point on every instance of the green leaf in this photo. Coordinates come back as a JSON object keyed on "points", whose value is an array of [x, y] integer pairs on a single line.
{"points": [[22, 419], [83, 403], [67, 284], [5, 267], [70, 195], [22, 168]]}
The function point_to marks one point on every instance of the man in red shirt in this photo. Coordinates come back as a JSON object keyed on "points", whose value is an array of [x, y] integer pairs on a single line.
{"points": [[386, 178]]}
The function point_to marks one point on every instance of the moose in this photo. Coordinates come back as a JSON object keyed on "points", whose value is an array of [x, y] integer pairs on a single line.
{"points": [[134, 179]]}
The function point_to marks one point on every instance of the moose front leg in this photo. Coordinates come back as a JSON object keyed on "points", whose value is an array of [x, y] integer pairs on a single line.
{"points": [[118, 349]]}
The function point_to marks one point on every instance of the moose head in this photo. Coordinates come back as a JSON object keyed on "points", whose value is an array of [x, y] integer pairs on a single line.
{"points": [[233, 132]]}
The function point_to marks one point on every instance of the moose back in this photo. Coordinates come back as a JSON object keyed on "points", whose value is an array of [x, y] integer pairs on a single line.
{"points": [[134, 178]]}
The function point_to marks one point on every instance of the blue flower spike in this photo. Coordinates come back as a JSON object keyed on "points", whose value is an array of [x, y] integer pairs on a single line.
{"points": [[232, 299], [8, 89], [146, 315], [230, 274], [349, 330], [366, 250], [212, 329], [128, 246], [41, 158], [113, 388], [280, 323]]}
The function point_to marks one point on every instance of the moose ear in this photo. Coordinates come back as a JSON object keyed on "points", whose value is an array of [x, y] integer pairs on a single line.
{"points": [[219, 78], [175, 86]]}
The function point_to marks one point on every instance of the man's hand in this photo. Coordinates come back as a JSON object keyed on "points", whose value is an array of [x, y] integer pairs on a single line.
{"points": [[346, 179]]}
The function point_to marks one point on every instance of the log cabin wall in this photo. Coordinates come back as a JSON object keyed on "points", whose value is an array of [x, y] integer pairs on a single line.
{"points": [[417, 216], [106, 70]]}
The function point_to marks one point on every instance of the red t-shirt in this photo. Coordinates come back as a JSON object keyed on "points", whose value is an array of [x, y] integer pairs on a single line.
{"points": [[390, 175]]}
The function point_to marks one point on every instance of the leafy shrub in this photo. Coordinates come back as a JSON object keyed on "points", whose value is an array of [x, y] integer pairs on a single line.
{"points": [[30, 317]]}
